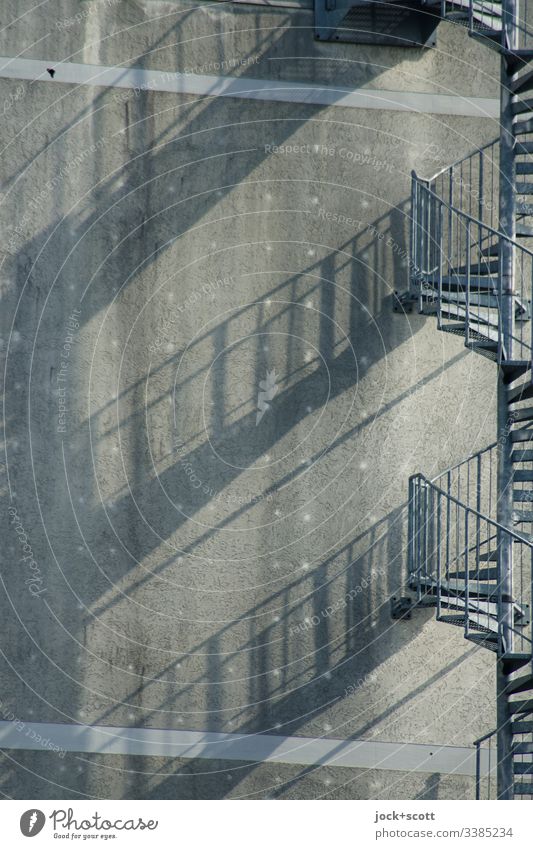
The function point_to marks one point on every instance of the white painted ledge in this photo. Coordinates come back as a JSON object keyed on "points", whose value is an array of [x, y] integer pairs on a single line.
{"points": [[258, 748], [247, 88]]}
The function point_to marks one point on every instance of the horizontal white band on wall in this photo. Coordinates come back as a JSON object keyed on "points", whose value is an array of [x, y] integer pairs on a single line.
{"points": [[248, 88], [262, 748]]}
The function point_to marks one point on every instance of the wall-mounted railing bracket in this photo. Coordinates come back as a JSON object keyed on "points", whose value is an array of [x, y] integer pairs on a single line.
{"points": [[402, 607]]}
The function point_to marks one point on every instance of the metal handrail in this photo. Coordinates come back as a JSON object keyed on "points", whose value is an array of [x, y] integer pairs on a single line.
{"points": [[453, 269], [471, 218], [476, 10], [450, 547], [477, 743], [465, 461], [473, 510], [459, 162]]}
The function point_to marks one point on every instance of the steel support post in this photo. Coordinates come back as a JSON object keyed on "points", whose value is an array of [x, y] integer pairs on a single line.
{"points": [[507, 212]]}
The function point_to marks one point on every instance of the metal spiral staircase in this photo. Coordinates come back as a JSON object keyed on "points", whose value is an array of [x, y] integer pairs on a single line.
{"points": [[471, 529]]}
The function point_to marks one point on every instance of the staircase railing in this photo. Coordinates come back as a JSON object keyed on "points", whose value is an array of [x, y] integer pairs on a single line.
{"points": [[484, 19], [455, 266], [474, 481], [453, 562], [471, 184], [486, 764]]}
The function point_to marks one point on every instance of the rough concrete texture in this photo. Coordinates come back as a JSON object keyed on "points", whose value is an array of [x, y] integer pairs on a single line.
{"points": [[94, 776], [189, 555]]}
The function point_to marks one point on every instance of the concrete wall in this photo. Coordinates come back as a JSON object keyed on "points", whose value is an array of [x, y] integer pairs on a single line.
{"points": [[189, 556]]}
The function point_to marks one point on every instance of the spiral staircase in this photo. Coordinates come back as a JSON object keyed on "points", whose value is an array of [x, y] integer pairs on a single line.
{"points": [[471, 529]]}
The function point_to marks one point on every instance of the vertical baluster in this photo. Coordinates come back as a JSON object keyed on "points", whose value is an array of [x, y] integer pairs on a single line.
{"points": [[467, 575], [531, 320], [440, 256], [448, 525], [481, 187], [410, 528], [467, 294], [450, 223], [439, 565], [419, 536], [478, 520]]}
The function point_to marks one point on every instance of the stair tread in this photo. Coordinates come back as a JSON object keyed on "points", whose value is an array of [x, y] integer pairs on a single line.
{"points": [[523, 83], [489, 573], [520, 516], [524, 208], [482, 266], [522, 748], [523, 769], [523, 105], [520, 685], [522, 434], [522, 127], [522, 727], [522, 788], [459, 585], [524, 414], [523, 496], [489, 623], [520, 393], [521, 706], [459, 281], [487, 641], [524, 188]]}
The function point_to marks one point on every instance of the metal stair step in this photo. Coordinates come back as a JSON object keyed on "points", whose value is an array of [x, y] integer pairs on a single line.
{"points": [[523, 230], [523, 475], [524, 188], [520, 685], [482, 316], [523, 769], [522, 706], [486, 640], [494, 8], [523, 496], [481, 622], [460, 281], [459, 585], [488, 574], [521, 456], [521, 516], [522, 106], [483, 266], [522, 434], [522, 788], [485, 331], [520, 393], [522, 127], [480, 607], [522, 749], [486, 299], [491, 250], [523, 83], [524, 208], [523, 415], [514, 661], [524, 167], [517, 58], [521, 728]]}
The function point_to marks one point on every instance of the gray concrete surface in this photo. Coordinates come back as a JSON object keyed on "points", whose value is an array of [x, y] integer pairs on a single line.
{"points": [[192, 568]]}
